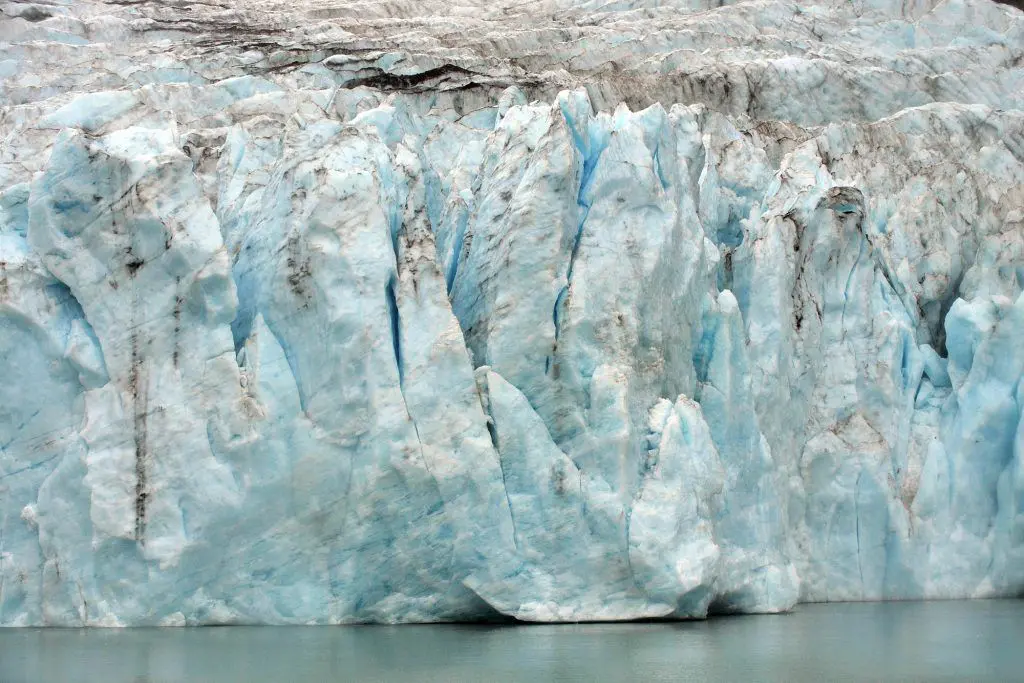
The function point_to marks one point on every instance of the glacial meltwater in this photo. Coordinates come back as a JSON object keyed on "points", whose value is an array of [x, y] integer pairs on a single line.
{"points": [[930, 641]]}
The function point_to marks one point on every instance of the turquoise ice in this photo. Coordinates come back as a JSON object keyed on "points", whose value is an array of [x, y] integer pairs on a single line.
{"points": [[291, 340]]}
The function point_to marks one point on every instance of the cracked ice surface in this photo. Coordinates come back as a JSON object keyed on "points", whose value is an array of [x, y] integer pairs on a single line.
{"points": [[417, 311]]}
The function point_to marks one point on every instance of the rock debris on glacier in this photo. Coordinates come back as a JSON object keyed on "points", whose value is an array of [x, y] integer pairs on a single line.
{"points": [[562, 311]]}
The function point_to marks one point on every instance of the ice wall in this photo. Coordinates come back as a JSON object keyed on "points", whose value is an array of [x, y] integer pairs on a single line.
{"points": [[282, 346]]}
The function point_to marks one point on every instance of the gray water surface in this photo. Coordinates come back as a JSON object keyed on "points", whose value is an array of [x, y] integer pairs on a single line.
{"points": [[938, 641]]}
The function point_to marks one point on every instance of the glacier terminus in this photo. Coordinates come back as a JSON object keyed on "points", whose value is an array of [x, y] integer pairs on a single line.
{"points": [[571, 310]]}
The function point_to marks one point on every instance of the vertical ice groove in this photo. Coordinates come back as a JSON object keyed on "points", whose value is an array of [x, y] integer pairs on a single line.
{"points": [[656, 156], [590, 149], [395, 322], [248, 305], [847, 291], [456, 257], [492, 431], [293, 363], [138, 390]]}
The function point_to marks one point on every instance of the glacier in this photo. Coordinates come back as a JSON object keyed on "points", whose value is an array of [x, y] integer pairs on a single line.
{"points": [[575, 310]]}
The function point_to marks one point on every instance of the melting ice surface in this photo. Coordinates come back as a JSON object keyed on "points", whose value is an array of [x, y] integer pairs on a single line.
{"points": [[303, 336]]}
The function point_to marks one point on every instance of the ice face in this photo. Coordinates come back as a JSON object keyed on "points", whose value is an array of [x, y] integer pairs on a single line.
{"points": [[329, 333]]}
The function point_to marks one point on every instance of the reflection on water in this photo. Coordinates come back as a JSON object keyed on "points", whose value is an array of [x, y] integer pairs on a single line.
{"points": [[949, 641]]}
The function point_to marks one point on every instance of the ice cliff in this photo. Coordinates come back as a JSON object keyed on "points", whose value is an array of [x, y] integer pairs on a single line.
{"points": [[570, 310]]}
